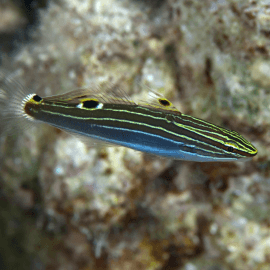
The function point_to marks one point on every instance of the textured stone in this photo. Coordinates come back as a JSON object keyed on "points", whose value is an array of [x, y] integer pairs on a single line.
{"points": [[71, 205]]}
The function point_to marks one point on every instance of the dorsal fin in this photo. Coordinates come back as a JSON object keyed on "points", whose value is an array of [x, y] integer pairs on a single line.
{"points": [[158, 101], [104, 93]]}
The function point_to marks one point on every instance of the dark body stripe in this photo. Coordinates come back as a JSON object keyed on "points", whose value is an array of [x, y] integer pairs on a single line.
{"points": [[135, 125], [195, 125]]}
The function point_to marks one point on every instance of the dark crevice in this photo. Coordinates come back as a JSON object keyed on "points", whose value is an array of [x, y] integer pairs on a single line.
{"points": [[164, 182], [12, 38], [172, 59], [208, 71]]}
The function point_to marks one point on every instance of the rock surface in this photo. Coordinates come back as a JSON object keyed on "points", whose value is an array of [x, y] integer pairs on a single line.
{"points": [[67, 205]]}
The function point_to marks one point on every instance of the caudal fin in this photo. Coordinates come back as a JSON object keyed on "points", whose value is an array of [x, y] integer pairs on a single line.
{"points": [[12, 100]]}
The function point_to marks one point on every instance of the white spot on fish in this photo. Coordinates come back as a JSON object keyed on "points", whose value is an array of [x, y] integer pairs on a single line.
{"points": [[100, 106]]}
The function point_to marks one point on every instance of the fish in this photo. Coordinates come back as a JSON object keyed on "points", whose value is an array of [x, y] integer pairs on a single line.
{"points": [[107, 115]]}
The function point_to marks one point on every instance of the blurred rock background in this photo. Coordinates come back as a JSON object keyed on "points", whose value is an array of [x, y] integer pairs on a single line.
{"points": [[66, 205]]}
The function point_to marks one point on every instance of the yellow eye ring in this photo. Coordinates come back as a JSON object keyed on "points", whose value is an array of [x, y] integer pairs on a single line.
{"points": [[164, 102], [37, 98]]}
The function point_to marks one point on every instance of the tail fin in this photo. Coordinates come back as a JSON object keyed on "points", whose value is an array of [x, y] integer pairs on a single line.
{"points": [[12, 99]]}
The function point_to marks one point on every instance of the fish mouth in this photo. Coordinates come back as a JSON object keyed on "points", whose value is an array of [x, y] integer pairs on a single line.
{"points": [[250, 154], [254, 152]]}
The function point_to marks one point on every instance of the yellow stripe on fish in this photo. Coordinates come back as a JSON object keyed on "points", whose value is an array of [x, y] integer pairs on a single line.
{"points": [[109, 115]]}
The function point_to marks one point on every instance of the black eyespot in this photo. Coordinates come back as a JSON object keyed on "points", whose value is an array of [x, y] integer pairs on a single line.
{"points": [[164, 102], [230, 149], [90, 104], [37, 98]]}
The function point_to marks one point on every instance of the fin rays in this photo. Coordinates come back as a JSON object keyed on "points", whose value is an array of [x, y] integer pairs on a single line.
{"points": [[108, 93], [12, 95]]}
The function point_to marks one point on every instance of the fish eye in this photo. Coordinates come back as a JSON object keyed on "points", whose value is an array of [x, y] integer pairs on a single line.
{"points": [[164, 102], [90, 104], [37, 98], [231, 146]]}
